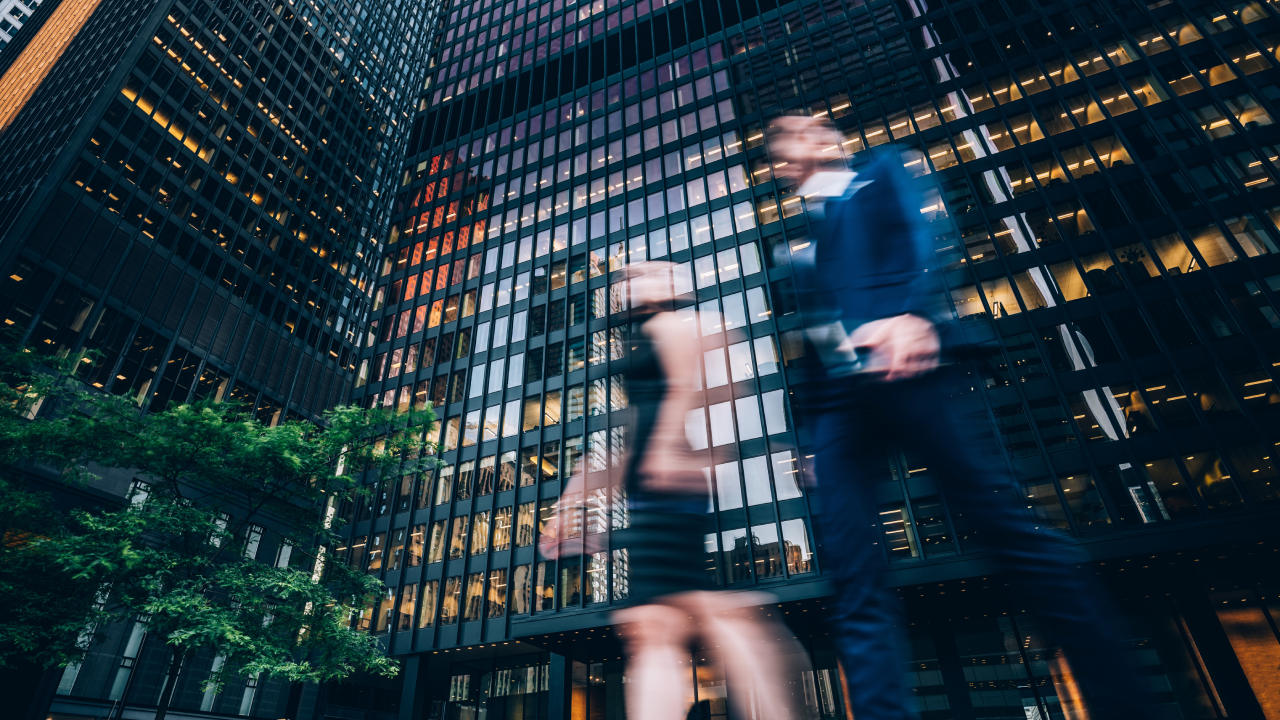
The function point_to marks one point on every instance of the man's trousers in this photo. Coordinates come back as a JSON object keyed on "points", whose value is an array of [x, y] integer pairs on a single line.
{"points": [[859, 422]]}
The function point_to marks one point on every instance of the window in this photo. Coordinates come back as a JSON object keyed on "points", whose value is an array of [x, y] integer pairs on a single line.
{"points": [[466, 472], [376, 548], [458, 538], [252, 540], [436, 543], [451, 600], [427, 606], [1255, 472], [497, 605], [404, 614], [502, 529], [283, 554], [728, 487], [736, 553], [525, 522], [413, 552], [395, 554], [786, 475], [480, 533], [474, 603]]}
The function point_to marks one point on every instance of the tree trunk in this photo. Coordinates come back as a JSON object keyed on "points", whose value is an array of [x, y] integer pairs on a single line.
{"points": [[170, 682]]}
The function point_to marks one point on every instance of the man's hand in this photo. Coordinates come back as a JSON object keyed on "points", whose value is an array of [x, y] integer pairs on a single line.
{"points": [[901, 347]]}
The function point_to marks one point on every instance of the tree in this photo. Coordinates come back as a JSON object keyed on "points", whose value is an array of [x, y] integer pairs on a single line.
{"points": [[46, 608], [178, 556]]}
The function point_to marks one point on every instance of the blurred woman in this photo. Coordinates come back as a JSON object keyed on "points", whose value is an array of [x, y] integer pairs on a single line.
{"points": [[672, 607]]}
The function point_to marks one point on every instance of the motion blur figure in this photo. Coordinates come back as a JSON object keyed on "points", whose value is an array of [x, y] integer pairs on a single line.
{"points": [[673, 609], [881, 331]]}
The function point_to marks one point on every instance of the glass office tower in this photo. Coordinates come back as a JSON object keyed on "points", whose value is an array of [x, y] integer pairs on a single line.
{"points": [[198, 190], [222, 182], [14, 14], [1105, 219]]}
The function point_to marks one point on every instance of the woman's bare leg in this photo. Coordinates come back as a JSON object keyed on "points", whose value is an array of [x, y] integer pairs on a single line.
{"points": [[758, 653], [657, 639]]}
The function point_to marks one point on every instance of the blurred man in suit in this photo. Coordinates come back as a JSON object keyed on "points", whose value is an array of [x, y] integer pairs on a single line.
{"points": [[881, 330]]}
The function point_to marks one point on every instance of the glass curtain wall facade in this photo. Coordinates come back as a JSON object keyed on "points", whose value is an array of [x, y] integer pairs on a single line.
{"points": [[196, 190], [1105, 219], [214, 228], [14, 14]]}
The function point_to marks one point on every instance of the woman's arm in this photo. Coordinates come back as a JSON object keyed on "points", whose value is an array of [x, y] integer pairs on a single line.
{"points": [[667, 462], [549, 539]]}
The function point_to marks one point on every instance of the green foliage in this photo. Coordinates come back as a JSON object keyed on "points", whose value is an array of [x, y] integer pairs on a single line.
{"points": [[45, 609], [175, 554]]}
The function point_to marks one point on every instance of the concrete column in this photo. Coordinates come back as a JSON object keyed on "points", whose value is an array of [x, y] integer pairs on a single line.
{"points": [[944, 642], [414, 693], [560, 685]]}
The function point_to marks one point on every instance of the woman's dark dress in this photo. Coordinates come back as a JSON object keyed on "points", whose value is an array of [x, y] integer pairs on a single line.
{"points": [[666, 539]]}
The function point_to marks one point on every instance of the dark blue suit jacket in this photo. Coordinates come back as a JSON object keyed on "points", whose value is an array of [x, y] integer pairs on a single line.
{"points": [[871, 255]]}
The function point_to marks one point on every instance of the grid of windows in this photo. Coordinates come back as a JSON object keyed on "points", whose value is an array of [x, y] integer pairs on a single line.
{"points": [[1082, 180], [226, 196], [13, 15], [52, 101], [208, 224]]}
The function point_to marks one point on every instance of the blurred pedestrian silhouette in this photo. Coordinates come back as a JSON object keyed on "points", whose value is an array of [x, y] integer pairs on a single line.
{"points": [[673, 607], [881, 331]]}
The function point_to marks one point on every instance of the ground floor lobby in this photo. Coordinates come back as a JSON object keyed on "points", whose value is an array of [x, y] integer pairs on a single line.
{"points": [[1202, 626]]}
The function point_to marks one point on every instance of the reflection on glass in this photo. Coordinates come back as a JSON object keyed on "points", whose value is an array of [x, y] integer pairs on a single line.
{"points": [[521, 585], [1041, 500], [1172, 494], [1093, 411], [545, 587], [474, 604], [737, 555], [1211, 394], [796, 550], [451, 600], [570, 583], [1255, 472], [900, 539], [497, 601], [1212, 480], [765, 550], [1084, 502]]}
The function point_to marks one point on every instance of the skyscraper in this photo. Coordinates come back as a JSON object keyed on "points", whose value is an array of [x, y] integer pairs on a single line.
{"points": [[1105, 214], [219, 181], [197, 190], [14, 14]]}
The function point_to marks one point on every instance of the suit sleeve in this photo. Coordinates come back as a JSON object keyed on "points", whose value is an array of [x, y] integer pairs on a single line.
{"points": [[923, 293]]}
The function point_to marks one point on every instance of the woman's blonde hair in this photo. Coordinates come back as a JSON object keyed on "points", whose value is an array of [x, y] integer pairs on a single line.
{"points": [[650, 269]]}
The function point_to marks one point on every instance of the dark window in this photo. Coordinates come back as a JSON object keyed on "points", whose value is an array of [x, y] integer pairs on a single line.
{"points": [[1133, 330], [1141, 200], [555, 359], [1095, 340], [1176, 189], [1144, 142], [537, 321], [1106, 210], [1212, 314], [555, 315], [533, 365], [1173, 325]]}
